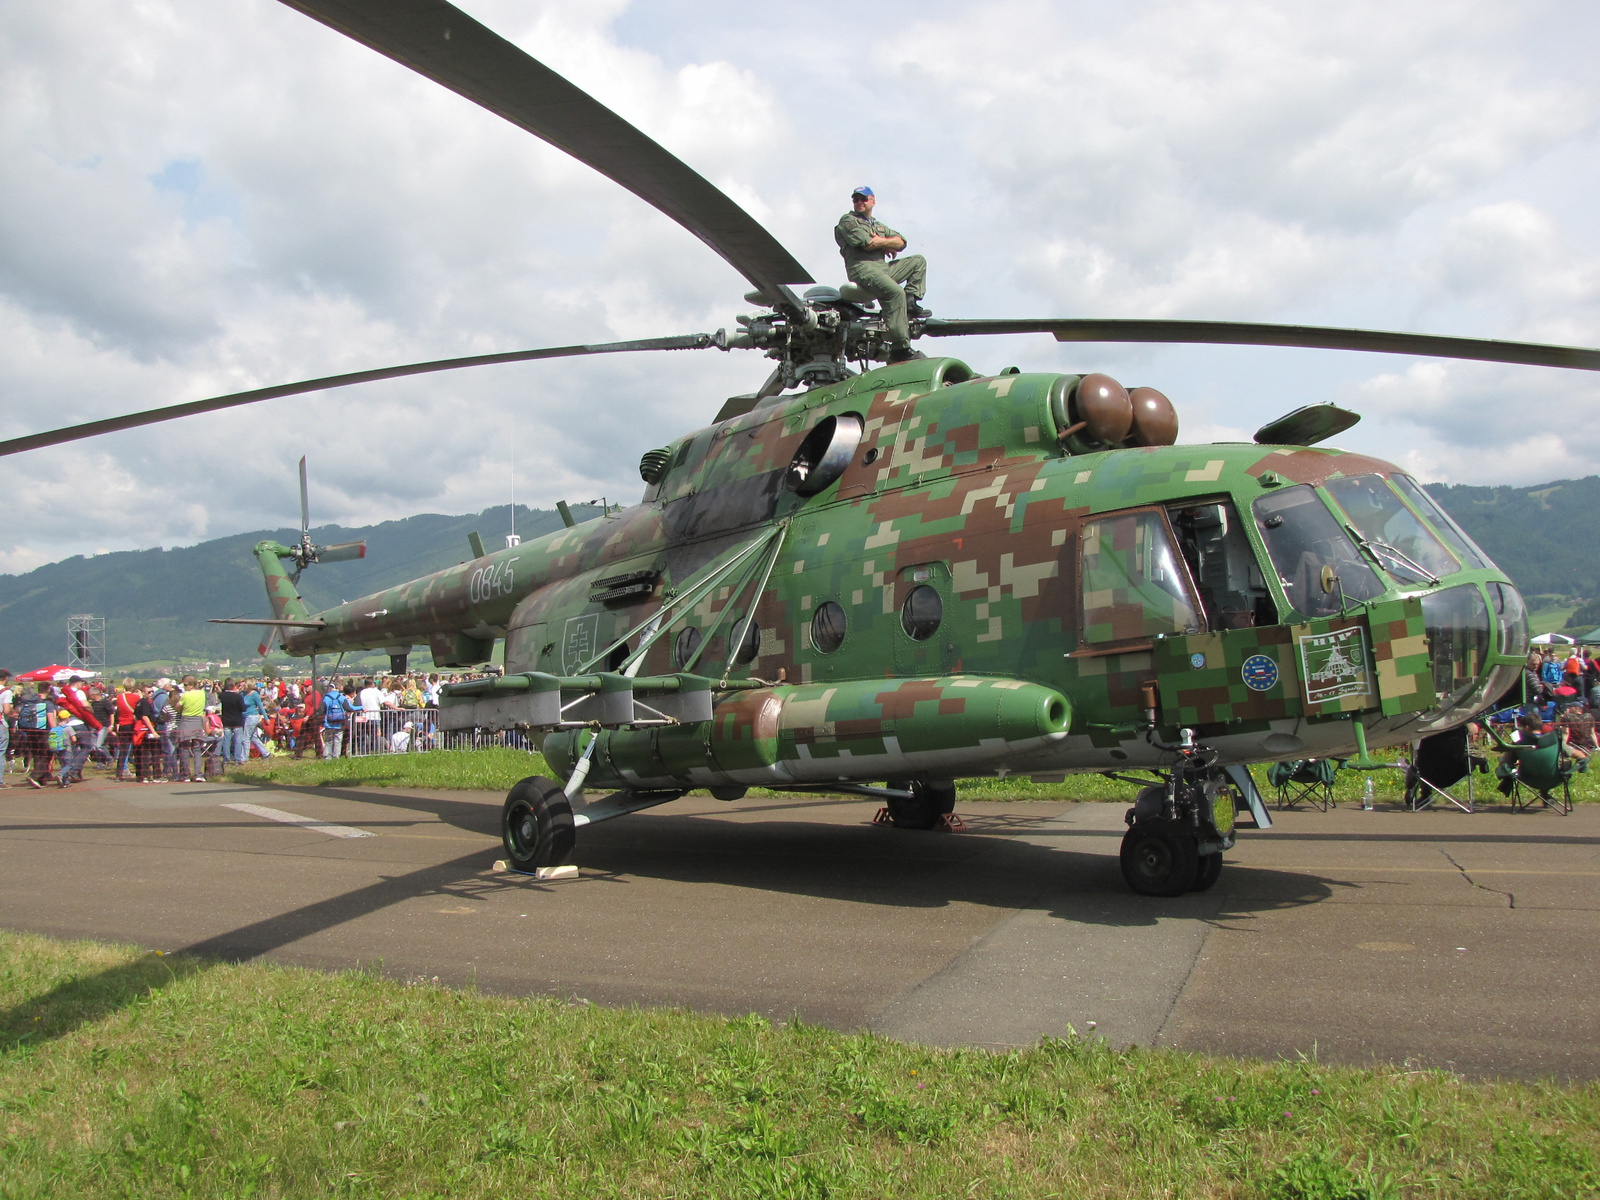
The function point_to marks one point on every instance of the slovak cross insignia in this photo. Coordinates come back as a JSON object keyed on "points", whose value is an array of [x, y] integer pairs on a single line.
{"points": [[1197, 661], [1260, 672]]}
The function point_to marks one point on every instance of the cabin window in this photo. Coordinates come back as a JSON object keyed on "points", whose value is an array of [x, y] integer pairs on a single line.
{"points": [[684, 646], [827, 627], [921, 613], [751, 646], [1233, 591], [1302, 538], [1393, 533], [1134, 583]]}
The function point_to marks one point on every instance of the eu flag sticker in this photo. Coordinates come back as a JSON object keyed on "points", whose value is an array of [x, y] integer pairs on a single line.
{"points": [[1260, 672]]}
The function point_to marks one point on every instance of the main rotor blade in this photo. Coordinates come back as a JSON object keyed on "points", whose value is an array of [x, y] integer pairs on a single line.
{"points": [[152, 416], [1313, 337], [438, 40]]}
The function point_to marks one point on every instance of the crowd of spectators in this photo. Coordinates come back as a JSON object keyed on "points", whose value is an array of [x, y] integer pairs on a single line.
{"points": [[1560, 694], [183, 730]]}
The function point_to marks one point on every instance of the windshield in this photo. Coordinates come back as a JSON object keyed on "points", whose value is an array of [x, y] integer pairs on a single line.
{"points": [[1302, 537], [1133, 581], [1457, 624], [1400, 541], [1465, 549]]}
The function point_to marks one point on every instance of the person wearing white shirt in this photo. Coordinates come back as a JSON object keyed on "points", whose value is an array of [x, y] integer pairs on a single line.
{"points": [[5, 729]]}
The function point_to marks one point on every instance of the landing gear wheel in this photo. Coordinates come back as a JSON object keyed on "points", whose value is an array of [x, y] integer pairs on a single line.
{"points": [[1160, 858], [536, 824], [923, 808], [1210, 870]]}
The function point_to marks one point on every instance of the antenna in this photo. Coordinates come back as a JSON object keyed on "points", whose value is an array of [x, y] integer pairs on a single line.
{"points": [[511, 444]]}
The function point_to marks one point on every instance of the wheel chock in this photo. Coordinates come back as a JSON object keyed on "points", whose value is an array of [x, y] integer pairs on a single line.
{"points": [[541, 874], [948, 822]]}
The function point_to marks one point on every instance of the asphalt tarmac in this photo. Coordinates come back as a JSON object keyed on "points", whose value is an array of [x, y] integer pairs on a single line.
{"points": [[1435, 939]]}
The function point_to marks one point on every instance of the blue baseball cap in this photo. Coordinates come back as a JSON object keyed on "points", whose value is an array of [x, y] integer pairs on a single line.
{"points": [[863, 190]]}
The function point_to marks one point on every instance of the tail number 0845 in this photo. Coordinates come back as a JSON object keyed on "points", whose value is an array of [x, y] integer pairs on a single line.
{"points": [[491, 582]]}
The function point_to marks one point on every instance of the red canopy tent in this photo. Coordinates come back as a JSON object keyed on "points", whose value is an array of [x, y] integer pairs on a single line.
{"points": [[54, 673]]}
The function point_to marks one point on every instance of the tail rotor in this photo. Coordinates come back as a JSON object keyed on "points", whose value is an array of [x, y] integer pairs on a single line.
{"points": [[307, 551]]}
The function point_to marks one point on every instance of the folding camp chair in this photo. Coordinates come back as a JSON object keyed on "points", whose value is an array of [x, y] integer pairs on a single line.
{"points": [[1308, 779], [1535, 772], [1439, 763]]}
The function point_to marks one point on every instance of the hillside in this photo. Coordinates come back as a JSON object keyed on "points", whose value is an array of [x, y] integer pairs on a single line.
{"points": [[1535, 533], [156, 602]]}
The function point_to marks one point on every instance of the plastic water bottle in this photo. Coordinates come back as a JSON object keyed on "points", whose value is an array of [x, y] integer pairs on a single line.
{"points": [[1366, 793]]}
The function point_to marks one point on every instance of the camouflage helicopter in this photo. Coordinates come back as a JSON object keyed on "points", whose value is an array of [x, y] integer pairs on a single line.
{"points": [[875, 578]]}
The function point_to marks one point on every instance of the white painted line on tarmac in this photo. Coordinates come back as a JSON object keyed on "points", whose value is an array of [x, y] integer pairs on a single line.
{"points": [[289, 818]]}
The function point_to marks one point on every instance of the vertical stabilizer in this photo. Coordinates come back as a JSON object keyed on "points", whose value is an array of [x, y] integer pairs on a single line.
{"points": [[281, 591]]}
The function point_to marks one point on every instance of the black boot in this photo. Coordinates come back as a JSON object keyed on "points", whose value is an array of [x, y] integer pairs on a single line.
{"points": [[914, 309], [902, 354]]}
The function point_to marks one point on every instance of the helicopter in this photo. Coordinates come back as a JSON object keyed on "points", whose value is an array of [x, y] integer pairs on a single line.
{"points": [[873, 578]]}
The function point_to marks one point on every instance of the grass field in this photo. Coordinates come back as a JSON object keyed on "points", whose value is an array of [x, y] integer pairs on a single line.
{"points": [[125, 1073], [496, 770]]}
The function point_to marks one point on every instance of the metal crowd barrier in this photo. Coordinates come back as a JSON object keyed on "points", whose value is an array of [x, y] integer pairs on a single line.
{"points": [[413, 731]]}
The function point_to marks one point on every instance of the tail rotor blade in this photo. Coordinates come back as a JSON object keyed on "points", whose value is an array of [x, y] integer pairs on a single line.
{"points": [[343, 552], [305, 502], [266, 647]]}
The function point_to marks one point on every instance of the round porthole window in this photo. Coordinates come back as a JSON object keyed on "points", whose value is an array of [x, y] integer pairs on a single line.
{"points": [[827, 627], [751, 646], [684, 646], [921, 613]]}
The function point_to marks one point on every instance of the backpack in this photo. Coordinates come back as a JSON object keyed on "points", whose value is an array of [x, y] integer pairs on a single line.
{"points": [[333, 710], [34, 713]]}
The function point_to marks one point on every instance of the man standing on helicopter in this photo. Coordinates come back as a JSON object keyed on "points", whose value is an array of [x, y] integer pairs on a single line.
{"points": [[870, 249]]}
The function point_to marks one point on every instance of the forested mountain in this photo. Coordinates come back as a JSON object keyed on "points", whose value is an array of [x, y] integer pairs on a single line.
{"points": [[156, 601], [1538, 534]]}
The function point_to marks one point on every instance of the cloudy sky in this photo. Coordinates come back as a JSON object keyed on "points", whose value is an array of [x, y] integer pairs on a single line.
{"points": [[203, 196]]}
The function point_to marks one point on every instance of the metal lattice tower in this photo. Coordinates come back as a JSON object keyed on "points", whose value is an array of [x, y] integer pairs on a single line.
{"points": [[86, 642]]}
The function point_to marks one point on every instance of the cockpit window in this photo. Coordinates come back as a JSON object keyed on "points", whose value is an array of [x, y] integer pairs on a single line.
{"points": [[1511, 615], [1134, 585], [1457, 624], [1233, 591], [1302, 537], [1394, 535], [1463, 546]]}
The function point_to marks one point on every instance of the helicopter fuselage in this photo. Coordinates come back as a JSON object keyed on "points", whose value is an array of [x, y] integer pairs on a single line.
{"points": [[971, 592]]}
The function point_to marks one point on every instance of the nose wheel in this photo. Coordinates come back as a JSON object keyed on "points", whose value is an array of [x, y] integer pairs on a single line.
{"points": [[1162, 858]]}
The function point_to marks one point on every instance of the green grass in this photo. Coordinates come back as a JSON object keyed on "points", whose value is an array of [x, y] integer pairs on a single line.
{"points": [[1549, 614], [497, 769], [129, 1074]]}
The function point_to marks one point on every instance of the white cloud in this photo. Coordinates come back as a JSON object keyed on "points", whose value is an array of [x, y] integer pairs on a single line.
{"points": [[197, 199]]}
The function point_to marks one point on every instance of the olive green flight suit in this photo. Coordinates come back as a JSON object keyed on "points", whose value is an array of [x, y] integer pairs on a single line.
{"points": [[867, 269]]}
